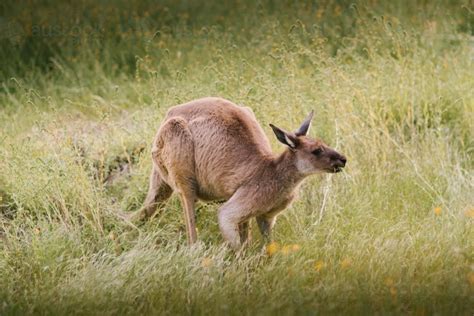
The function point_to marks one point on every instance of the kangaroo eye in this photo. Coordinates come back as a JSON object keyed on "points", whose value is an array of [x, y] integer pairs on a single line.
{"points": [[317, 151]]}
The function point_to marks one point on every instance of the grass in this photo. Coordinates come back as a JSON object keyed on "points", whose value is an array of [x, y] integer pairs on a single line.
{"points": [[84, 87]]}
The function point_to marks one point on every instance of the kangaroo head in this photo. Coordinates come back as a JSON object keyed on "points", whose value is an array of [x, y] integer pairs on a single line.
{"points": [[311, 155]]}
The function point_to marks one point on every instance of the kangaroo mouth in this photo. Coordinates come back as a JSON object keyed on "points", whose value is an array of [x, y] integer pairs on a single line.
{"points": [[335, 169]]}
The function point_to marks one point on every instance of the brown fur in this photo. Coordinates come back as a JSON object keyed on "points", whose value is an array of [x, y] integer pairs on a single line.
{"points": [[212, 149]]}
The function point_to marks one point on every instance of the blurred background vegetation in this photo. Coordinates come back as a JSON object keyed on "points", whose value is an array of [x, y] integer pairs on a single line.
{"points": [[84, 86]]}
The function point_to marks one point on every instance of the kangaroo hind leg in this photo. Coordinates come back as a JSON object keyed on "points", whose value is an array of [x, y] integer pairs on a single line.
{"points": [[158, 192], [176, 159]]}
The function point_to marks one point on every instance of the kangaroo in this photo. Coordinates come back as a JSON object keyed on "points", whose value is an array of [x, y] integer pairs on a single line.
{"points": [[212, 149]]}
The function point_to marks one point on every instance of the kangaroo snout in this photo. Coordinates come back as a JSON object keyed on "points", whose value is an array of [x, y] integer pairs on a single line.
{"points": [[339, 162], [342, 159]]}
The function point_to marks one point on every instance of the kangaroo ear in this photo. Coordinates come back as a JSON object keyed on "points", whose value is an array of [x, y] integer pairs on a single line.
{"points": [[284, 137], [304, 128]]}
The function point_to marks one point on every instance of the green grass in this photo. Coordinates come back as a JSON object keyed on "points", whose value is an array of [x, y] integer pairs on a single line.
{"points": [[84, 87]]}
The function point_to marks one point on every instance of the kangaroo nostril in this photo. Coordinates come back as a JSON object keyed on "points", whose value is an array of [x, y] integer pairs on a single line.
{"points": [[343, 160]]}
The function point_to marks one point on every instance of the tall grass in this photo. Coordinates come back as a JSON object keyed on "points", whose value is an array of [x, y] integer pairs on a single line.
{"points": [[85, 85]]}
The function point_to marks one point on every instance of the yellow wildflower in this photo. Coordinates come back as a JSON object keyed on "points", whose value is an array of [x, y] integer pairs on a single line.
{"points": [[467, 213], [272, 248], [470, 278], [285, 249], [296, 247], [206, 262], [346, 263], [389, 282], [319, 13], [437, 210], [393, 292], [318, 265]]}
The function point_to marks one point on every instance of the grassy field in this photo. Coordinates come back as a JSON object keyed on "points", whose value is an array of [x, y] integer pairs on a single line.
{"points": [[85, 85]]}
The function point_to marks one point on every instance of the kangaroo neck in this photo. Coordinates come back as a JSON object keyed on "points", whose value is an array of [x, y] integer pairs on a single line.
{"points": [[285, 170]]}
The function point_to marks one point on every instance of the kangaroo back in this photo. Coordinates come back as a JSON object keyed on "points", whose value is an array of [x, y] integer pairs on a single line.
{"points": [[229, 145]]}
